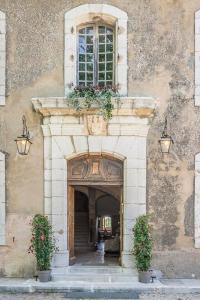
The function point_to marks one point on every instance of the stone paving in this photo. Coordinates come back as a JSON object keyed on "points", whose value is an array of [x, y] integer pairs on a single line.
{"points": [[174, 289], [152, 296]]}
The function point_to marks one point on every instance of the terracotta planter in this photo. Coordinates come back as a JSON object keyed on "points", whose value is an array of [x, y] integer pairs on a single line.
{"points": [[44, 276], [145, 276]]}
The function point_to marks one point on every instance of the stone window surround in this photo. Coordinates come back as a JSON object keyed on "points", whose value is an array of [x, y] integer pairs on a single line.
{"points": [[2, 199], [84, 14], [2, 57], [66, 137]]}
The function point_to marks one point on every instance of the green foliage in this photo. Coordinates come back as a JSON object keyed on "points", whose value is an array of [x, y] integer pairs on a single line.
{"points": [[83, 97], [42, 242], [142, 243]]}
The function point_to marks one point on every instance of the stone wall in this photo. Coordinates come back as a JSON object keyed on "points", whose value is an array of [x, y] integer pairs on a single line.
{"points": [[161, 64]]}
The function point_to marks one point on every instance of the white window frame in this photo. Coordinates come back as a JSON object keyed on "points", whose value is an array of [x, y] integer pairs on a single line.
{"points": [[2, 200], [2, 57], [82, 14]]}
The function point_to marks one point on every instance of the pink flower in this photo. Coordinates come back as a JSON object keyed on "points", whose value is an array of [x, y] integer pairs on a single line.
{"points": [[42, 237]]}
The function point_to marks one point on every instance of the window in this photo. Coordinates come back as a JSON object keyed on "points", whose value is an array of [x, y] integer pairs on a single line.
{"points": [[106, 67], [106, 223], [95, 55]]}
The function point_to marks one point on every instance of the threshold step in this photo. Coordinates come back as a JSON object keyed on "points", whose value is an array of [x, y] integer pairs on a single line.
{"points": [[100, 270], [104, 278]]}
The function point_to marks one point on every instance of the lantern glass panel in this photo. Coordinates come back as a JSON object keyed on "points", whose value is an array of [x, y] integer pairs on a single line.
{"points": [[165, 144], [23, 145]]}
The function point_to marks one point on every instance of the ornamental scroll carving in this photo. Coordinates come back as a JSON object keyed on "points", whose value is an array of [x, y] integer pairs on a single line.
{"points": [[95, 170]]}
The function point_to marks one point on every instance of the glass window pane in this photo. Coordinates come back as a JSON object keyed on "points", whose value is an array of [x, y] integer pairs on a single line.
{"points": [[89, 57], [109, 66], [109, 57], [82, 48], [102, 29], [89, 83], [81, 57], [109, 38], [101, 83], [101, 76], [102, 67], [82, 67], [82, 83], [109, 83], [101, 57], [89, 49], [89, 67], [89, 30], [81, 39], [109, 30], [81, 76], [102, 48], [109, 48], [89, 76], [82, 31], [89, 39], [102, 39], [109, 76]]}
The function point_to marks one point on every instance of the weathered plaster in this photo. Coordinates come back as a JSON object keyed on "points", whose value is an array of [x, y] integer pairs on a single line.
{"points": [[2, 198]]}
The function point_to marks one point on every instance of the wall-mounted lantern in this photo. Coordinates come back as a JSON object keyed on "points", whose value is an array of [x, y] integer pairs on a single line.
{"points": [[165, 140], [23, 142]]}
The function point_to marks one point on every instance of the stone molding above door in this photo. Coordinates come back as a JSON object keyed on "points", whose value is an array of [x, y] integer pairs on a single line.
{"points": [[66, 136]]}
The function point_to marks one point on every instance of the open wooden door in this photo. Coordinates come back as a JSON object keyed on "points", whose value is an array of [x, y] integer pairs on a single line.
{"points": [[70, 231]]}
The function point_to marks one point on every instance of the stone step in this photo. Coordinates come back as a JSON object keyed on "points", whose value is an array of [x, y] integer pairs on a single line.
{"points": [[100, 270], [98, 278]]}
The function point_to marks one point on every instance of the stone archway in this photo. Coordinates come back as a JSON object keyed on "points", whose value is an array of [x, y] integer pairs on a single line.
{"points": [[69, 134], [93, 171]]}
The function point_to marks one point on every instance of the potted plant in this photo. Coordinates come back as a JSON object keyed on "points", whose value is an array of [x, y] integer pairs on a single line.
{"points": [[42, 245], [143, 247]]}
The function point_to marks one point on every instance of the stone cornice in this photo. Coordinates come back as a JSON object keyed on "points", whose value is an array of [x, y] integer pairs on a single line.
{"points": [[143, 107]]}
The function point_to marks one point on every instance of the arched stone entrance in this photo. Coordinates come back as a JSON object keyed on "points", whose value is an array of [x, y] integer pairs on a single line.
{"points": [[69, 134], [100, 176]]}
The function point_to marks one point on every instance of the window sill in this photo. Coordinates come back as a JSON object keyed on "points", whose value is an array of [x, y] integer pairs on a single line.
{"points": [[142, 107]]}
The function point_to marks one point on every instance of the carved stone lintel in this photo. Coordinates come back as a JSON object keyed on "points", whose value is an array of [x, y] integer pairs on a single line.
{"points": [[95, 169]]}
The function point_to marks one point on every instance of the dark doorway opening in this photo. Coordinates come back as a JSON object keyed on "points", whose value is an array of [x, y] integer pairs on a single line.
{"points": [[95, 210], [96, 226]]}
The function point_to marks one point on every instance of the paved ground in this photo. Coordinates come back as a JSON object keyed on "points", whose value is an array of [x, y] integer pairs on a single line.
{"points": [[176, 289], [155, 296]]}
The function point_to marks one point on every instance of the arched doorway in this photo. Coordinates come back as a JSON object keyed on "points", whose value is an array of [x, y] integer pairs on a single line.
{"points": [[95, 208]]}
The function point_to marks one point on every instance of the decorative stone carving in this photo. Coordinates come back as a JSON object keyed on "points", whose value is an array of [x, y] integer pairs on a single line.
{"points": [[94, 169], [96, 125]]}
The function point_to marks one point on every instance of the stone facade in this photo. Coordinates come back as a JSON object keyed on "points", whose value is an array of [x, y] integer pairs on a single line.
{"points": [[161, 65]]}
